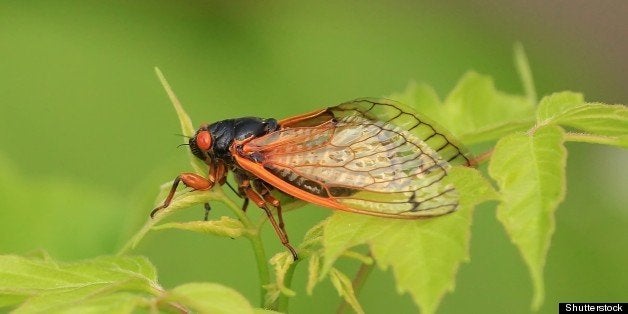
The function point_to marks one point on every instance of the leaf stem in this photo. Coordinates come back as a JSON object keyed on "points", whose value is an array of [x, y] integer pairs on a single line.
{"points": [[358, 282], [481, 158]]}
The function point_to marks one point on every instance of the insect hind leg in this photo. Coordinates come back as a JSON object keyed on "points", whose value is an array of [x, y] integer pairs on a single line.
{"points": [[263, 189], [262, 202]]}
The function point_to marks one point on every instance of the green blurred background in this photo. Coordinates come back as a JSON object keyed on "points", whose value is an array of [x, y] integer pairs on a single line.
{"points": [[86, 131]]}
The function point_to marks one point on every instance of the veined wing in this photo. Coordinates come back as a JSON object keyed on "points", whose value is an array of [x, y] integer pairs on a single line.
{"points": [[367, 156]]}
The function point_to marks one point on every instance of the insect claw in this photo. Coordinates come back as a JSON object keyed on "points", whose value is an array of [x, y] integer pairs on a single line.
{"points": [[154, 211], [295, 257]]}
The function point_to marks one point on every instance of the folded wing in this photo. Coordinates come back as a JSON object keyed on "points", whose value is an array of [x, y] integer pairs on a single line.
{"points": [[368, 156]]}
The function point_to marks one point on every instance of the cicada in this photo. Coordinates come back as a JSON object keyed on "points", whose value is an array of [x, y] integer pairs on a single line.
{"points": [[366, 156]]}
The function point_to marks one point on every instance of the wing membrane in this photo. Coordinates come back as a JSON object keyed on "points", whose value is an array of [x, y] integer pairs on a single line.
{"points": [[369, 156]]}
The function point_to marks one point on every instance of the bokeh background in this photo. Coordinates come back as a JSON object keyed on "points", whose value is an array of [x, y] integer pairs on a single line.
{"points": [[86, 131]]}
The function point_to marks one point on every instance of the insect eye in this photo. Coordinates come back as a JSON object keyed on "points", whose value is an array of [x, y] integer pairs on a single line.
{"points": [[204, 140]]}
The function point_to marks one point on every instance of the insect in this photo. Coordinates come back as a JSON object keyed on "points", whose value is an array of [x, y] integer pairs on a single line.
{"points": [[366, 156]]}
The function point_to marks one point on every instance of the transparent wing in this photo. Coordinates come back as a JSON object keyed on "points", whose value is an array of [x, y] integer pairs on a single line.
{"points": [[368, 156]]}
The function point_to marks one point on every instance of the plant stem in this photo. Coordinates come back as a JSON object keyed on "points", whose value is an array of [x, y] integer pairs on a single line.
{"points": [[254, 236], [262, 268], [358, 282]]}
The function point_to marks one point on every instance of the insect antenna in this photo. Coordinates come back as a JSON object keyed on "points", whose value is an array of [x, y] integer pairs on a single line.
{"points": [[183, 144], [188, 137]]}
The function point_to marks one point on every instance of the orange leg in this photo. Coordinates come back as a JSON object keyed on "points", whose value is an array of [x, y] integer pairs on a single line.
{"points": [[261, 203], [264, 191], [190, 180], [272, 200]]}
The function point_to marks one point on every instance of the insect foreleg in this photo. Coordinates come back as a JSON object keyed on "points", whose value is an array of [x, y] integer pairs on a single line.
{"points": [[207, 209], [191, 180], [245, 204]]}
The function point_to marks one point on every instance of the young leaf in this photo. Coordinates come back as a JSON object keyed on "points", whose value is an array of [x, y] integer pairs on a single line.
{"points": [[364, 259], [601, 119], [47, 286], [621, 141], [475, 111], [187, 128], [606, 124], [88, 299], [313, 269], [282, 262], [525, 74], [209, 298], [530, 172], [492, 132], [272, 294], [225, 227], [424, 254], [265, 311], [475, 103], [423, 98], [555, 104], [313, 237], [344, 286]]}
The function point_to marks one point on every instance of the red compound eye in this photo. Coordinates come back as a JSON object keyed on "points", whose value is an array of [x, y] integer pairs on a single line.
{"points": [[204, 140]]}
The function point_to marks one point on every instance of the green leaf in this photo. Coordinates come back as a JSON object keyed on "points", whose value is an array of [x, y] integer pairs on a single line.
{"points": [[282, 262], [555, 104], [184, 199], [209, 298], [424, 254], [225, 227], [187, 128], [475, 111], [94, 299], [621, 141], [272, 294], [265, 311], [313, 237], [475, 103], [46, 285], [364, 259], [530, 172], [492, 132], [343, 285], [602, 124], [313, 271], [525, 74], [422, 98]]}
